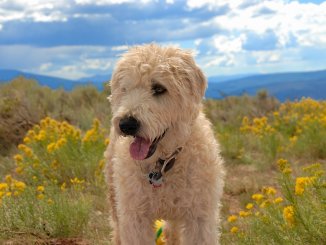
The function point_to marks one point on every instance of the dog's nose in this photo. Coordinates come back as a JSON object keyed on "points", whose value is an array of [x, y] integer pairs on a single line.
{"points": [[129, 125]]}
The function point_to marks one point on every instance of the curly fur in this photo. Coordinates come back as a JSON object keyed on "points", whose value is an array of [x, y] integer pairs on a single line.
{"points": [[190, 197]]}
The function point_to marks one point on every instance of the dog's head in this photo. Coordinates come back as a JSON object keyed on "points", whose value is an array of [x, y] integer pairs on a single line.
{"points": [[156, 93]]}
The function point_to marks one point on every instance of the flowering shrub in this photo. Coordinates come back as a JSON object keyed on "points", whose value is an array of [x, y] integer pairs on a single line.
{"points": [[293, 212], [58, 171], [56, 152], [295, 128]]}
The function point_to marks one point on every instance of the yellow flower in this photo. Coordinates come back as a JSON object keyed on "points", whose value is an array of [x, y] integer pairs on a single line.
{"points": [[264, 204], [107, 142], [319, 173], [18, 158], [61, 142], [294, 139], [16, 193], [278, 200], [257, 197], [76, 181], [287, 171], [234, 229], [301, 182], [22, 147], [244, 214], [19, 170], [30, 134], [232, 218], [96, 123], [63, 186], [101, 164], [90, 136], [8, 179], [1, 194], [311, 167], [159, 229], [269, 190], [249, 206], [29, 152], [50, 201], [282, 163], [51, 147], [288, 215], [20, 185], [27, 140], [8, 194], [3, 186], [40, 188], [276, 114], [40, 196]]}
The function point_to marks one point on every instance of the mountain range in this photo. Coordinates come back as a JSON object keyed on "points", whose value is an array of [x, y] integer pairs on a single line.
{"points": [[284, 86]]}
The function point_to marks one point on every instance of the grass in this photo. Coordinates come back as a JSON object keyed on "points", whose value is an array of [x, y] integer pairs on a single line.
{"points": [[56, 185], [52, 187], [56, 216], [293, 214]]}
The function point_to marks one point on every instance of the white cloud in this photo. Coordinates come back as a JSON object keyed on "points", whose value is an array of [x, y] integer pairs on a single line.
{"points": [[108, 2], [210, 4], [96, 64], [46, 66], [120, 48], [263, 57], [222, 61], [69, 72], [228, 44], [36, 10], [307, 22], [294, 26], [198, 41], [77, 69]]}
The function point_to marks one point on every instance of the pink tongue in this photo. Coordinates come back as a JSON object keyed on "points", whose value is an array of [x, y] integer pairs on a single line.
{"points": [[139, 148]]}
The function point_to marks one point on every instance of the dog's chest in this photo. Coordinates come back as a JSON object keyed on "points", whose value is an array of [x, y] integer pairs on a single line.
{"points": [[170, 200]]}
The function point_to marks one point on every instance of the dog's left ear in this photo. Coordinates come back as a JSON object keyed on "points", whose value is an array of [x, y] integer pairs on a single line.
{"points": [[201, 82], [195, 76]]}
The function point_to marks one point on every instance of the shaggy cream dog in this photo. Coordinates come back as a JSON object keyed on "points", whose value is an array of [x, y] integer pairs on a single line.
{"points": [[163, 159]]}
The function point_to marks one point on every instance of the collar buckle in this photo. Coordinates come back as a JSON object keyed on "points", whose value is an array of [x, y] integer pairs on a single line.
{"points": [[155, 177]]}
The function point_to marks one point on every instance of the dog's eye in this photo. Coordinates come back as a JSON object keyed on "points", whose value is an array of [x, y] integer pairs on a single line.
{"points": [[158, 89]]}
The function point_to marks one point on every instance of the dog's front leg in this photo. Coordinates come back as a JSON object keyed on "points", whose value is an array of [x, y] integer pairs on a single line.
{"points": [[203, 231], [136, 229]]}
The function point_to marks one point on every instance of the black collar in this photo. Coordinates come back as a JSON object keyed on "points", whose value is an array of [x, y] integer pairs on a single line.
{"points": [[162, 166]]}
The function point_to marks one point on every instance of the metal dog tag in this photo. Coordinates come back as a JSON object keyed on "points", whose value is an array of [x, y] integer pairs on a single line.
{"points": [[155, 179]]}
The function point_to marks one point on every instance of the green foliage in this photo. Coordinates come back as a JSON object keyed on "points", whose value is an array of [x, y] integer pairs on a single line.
{"points": [[58, 181], [259, 130], [295, 215], [58, 190], [58, 215]]}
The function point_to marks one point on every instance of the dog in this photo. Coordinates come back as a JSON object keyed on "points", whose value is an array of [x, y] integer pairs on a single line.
{"points": [[163, 161]]}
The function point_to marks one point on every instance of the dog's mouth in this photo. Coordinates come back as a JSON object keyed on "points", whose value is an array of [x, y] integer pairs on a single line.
{"points": [[142, 148]]}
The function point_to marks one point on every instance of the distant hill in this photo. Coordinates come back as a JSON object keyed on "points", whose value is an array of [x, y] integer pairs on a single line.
{"points": [[290, 85], [52, 82]]}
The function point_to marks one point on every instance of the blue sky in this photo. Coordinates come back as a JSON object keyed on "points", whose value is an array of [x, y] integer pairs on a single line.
{"points": [[80, 38]]}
